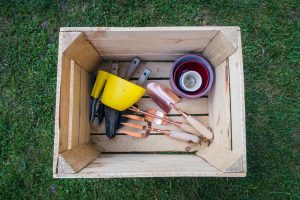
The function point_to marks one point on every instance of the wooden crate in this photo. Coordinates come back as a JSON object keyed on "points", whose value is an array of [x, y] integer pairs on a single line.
{"points": [[82, 150]]}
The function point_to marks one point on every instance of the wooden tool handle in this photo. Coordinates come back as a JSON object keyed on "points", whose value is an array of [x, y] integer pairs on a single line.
{"points": [[189, 129], [203, 130], [184, 136]]}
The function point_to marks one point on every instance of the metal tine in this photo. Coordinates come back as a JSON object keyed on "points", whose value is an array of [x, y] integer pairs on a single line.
{"points": [[135, 117], [134, 134]]}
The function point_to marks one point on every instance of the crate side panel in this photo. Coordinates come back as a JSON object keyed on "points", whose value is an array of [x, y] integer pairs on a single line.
{"points": [[74, 106], [219, 106], [149, 44], [238, 100], [152, 143], [143, 165]]}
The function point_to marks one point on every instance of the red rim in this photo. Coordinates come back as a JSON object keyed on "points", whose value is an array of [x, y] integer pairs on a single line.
{"points": [[195, 67]]}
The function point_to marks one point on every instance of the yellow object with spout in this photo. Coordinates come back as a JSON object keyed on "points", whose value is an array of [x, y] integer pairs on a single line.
{"points": [[118, 93]]}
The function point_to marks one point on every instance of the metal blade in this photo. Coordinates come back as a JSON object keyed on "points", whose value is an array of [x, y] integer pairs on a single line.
{"points": [[137, 126], [134, 134], [134, 64], [135, 117], [162, 96]]}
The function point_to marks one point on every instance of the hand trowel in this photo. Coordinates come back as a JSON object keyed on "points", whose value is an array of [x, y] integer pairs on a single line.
{"points": [[167, 100]]}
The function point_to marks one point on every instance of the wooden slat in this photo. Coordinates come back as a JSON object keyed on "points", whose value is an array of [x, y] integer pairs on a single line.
{"points": [[148, 57], [79, 157], [64, 104], [147, 165], [152, 143], [191, 106], [100, 129], [218, 49], [74, 104], [159, 69], [219, 107], [84, 106], [81, 51], [238, 100], [166, 42], [158, 46]]}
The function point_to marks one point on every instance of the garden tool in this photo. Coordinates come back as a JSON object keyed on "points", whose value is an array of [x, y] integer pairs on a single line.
{"points": [[117, 87], [111, 115], [142, 79], [181, 125], [173, 134], [167, 100]]}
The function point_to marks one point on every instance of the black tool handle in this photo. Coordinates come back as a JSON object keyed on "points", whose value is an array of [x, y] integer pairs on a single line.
{"points": [[111, 115]]}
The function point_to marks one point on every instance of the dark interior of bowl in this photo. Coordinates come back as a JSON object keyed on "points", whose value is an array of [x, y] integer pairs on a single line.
{"points": [[192, 66]]}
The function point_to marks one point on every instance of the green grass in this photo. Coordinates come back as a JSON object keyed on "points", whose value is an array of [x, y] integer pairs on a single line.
{"points": [[28, 56]]}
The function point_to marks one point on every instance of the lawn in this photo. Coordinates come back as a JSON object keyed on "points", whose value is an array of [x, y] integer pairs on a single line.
{"points": [[28, 57]]}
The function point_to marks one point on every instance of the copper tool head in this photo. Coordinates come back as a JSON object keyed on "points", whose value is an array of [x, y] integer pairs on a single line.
{"points": [[163, 96], [135, 117], [134, 134], [137, 126]]}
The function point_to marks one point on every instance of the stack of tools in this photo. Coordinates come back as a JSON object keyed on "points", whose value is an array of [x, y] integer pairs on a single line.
{"points": [[148, 128], [118, 95], [117, 104]]}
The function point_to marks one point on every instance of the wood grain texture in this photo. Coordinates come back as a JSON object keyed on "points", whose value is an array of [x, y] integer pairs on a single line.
{"points": [[80, 156], [74, 106], [152, 143], [219, 106], [68, 38], [100, 129], [57, 106], [82, 52], [147, 165], [218, 156], [218, 49], [64, 104], [153, 41], [84, 132], [238, 100]]}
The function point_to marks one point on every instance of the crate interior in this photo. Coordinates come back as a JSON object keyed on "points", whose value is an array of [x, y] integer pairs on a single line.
{"points": [[157, 154]]}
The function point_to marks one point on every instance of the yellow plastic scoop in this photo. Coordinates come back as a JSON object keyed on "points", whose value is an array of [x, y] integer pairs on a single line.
{"points": [[118, 93]]}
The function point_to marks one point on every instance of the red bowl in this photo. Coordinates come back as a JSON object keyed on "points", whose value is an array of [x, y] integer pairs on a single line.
{"points": [[192, 66]]}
